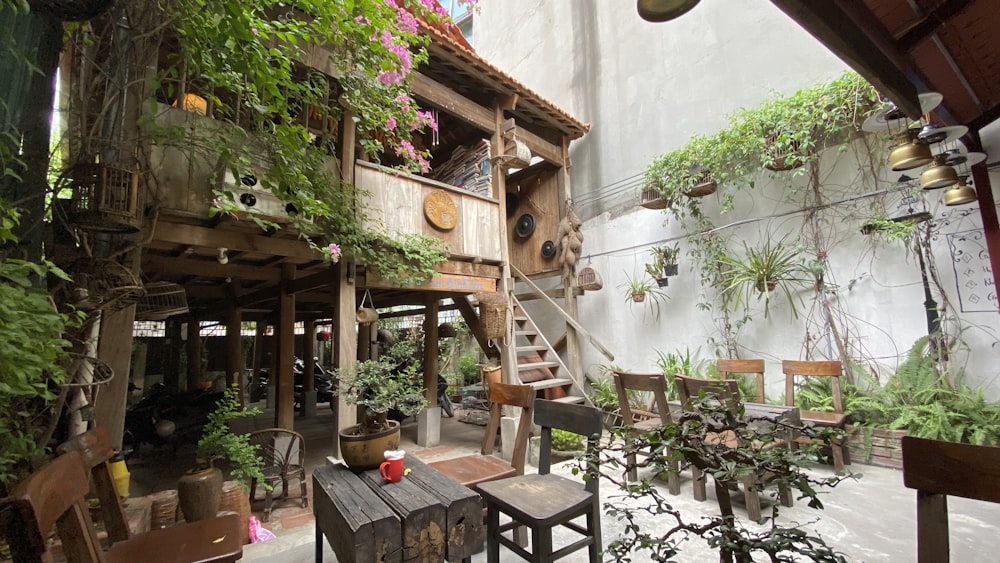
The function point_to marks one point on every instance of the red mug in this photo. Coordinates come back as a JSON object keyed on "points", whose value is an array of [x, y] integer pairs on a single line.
{"points": [[392, 468]]}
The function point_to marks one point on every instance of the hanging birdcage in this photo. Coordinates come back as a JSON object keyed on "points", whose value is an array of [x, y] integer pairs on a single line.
{"points": [[162, 300], [106, 198], [109, 285], [588, 279]]}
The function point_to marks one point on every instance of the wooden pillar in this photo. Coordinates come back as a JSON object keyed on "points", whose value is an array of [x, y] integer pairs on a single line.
{"points": [[259, 347], [573, 351], [431, 349], [308, 355], [193, 352], [284, 412], [234, 349], [987, 211], [114, 346], [508, 353], [172, 369], [345, 343]]}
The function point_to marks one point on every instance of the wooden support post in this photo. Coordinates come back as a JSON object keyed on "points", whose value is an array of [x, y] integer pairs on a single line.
{"points": [[573, 351], [259, 347], [308, 355], [284, 412], [431, 350], [115, 347], [345, 343], [193, 352], [234, 350], [508, 353], [172, 369]]}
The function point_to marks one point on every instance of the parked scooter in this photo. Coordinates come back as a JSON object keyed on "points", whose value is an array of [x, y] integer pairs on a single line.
{"points": [[167, 417], [322, 383]]}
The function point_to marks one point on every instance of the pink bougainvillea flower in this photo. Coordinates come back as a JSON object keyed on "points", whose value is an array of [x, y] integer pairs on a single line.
{"points": [[390, 123], [334, 250], [216, 204]]}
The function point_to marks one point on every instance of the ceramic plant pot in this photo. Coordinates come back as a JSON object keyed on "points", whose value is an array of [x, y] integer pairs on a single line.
{"points": [[367, 451], [199, 492]]}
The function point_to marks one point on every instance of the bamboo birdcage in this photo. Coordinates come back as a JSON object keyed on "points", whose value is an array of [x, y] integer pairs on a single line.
{"points": [[162, 300], [106, 198], [589, 280], [109, 285]]}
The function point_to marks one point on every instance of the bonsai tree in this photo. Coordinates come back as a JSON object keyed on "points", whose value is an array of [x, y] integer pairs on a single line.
{"points": [[378, 386], [219, 442]]}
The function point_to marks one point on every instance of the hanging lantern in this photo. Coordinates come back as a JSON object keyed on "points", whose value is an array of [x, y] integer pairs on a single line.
{"points": [[664, 10], [908, 152], [939, 174], [960, 194]]}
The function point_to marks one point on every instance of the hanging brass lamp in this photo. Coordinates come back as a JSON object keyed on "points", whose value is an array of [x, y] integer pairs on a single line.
{"points": [[664, 10], [939, 174], [909, 153], [960, 194]]}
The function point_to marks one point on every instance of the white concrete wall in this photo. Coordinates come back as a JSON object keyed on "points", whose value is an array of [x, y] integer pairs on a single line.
{"points": [[646, 89]]}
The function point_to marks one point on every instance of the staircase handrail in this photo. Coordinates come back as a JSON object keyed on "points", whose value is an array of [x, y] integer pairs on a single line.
{"points": [[566, 316], [542, 336]]}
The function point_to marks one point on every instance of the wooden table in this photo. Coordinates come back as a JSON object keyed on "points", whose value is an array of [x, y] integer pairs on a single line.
{"points": [[425, 517], [215, 540]]}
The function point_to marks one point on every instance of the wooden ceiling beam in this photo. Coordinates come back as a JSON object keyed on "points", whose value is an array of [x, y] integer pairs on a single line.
{"points": [[929, 24], [194, 236], [857, 44], [208, 268]]}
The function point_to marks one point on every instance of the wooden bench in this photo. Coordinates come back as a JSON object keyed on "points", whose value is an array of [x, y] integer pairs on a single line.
{"points": [[425, 517]]}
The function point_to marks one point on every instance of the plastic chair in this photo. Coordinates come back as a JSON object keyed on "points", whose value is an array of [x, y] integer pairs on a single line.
{"points": [[543, 501], [642, 421], [284, 454], [835, 419]]}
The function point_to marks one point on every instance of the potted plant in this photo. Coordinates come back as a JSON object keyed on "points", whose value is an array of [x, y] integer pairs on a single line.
{"points": [[390, 383], [199, 490], [638, 288], [761, 272], [664, 262]]}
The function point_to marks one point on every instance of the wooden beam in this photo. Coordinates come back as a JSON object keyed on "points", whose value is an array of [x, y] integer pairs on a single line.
{"points": [[191, 235], [210, 269], [827, 21], [987, 210], [284, 412], [929, 24], [458, 105], [234, 350], [315, 281], [473, 322]]}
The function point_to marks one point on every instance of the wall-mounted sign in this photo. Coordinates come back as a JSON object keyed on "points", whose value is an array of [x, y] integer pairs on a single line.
{"points": [[440, 210]]}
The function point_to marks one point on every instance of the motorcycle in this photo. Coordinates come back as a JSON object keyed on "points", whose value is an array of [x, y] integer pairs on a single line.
{"points": [[165, 417], [322, 383]]}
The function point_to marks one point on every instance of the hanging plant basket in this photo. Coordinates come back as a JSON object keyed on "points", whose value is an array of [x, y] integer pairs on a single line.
{"points": [[493, 313], [70, 10], [670, 270], [761, 284], [162, 300], [109, 285], [783, 159], [704, 185], [106, 198], [589, 280], [638, 297], [650, 198]]}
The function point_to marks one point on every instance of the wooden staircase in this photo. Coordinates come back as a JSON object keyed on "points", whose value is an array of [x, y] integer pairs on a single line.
{"points": [[538, 363]]}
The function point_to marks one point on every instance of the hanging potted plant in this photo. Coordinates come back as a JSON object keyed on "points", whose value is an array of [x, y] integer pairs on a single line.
{"points": [[199, 490], [390, 383], [664, 263], [762, 271], [641, 289]]}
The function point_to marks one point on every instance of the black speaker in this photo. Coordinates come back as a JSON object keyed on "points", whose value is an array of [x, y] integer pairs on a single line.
{"points": [[548, 249], [525, 225]]}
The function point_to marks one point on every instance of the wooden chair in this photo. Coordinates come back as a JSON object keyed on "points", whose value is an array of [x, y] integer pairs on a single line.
{"points": [[640, 421], [284, 455], [55, 495], [727, 391], [727, 368], [471, 470], [835, 419], [95, 449], [544, 501], [938, 469]]}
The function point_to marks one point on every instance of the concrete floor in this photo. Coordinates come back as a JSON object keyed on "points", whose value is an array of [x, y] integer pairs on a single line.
{"points": [[870, 519]]}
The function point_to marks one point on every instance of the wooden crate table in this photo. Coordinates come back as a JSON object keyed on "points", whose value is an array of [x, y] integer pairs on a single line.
{"points": [[425, 517]]}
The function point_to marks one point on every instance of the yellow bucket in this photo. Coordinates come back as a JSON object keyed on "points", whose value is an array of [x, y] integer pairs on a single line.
{"points": [[119, 471]]}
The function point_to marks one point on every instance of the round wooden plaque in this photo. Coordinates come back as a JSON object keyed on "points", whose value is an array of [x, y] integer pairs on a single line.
{"points": [[440, 210]]}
